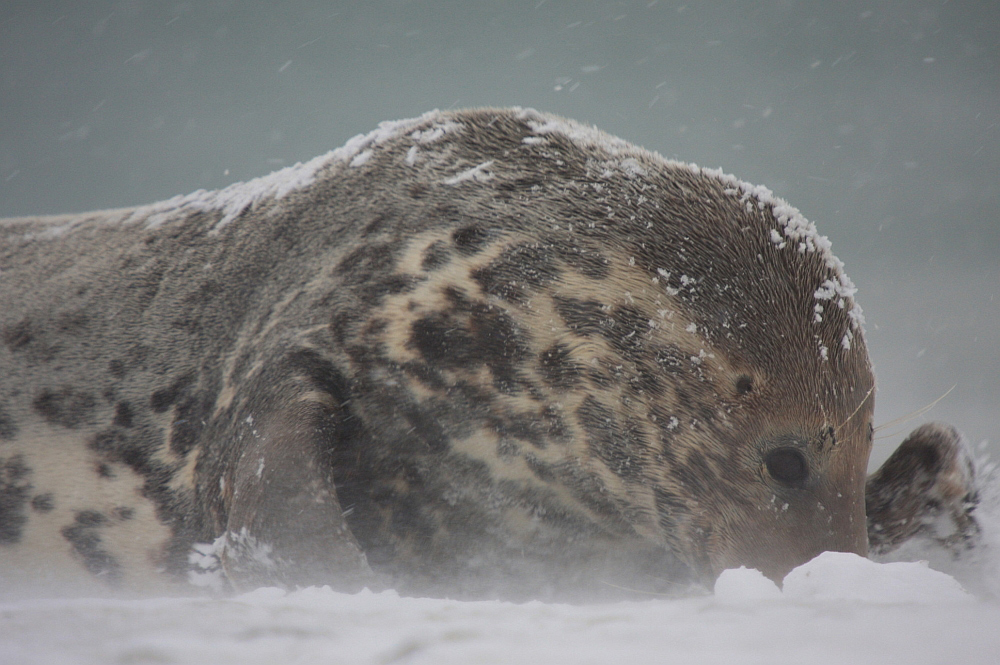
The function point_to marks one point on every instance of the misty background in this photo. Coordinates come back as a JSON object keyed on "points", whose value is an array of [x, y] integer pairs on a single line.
{"points": [[879, 120]]}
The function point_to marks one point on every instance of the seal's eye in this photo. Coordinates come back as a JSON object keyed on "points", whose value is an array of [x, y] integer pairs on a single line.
{"points": [[787, 466], [744, 384]]}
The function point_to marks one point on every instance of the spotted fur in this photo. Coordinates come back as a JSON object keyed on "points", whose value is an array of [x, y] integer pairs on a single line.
{"points": [[478, 353]]}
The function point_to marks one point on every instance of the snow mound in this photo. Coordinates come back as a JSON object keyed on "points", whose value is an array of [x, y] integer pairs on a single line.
{"points": [[743, 584], [843, 576], [839, 576]]}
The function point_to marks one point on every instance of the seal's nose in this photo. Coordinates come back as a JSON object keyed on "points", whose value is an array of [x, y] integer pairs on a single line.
{"points": [[795, 527], [834, 522]]}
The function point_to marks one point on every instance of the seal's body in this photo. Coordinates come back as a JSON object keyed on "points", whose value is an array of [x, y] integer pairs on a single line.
{"points": [[478, 353]]}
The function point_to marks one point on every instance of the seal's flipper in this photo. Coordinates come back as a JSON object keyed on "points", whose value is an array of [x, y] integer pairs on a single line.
{"points": [[926, 488], [285, 523]]}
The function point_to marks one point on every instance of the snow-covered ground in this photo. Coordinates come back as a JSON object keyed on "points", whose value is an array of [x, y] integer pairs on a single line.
{"points": [[838, 608]]}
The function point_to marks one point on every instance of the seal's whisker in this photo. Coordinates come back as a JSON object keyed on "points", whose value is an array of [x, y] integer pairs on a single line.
{"points": [[891, 434], [913, 414], [853, 413]]}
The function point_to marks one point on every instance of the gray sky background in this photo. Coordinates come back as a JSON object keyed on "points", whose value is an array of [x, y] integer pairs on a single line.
{"points": [[879, 120]]}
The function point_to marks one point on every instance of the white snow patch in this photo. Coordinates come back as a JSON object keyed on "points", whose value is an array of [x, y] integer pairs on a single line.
{"points": [[632, 168], [206, 562], [745, 584], [585, 135], [436, 132], [478, 173], [361, 158]]}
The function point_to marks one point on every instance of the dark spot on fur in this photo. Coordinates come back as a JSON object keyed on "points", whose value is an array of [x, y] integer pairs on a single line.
{"points": [[377, 224], [558, 369], [471, 239], [116, 368], [43, 503], [85, 538], [581, 316], [387, 286], [67, 406], [8, 428], [190, 417], [490, 336], [124, 513], [161, 400], [436, 255], [458, 299], [135, 449], [123, 414], [14, 492], [744, 385], [18, 336], [104, 470], [517, 267], [439, 341], [617, 447]]}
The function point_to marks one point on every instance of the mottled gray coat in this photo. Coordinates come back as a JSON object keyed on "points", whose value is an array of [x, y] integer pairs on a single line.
{"points": [[478, 353]]}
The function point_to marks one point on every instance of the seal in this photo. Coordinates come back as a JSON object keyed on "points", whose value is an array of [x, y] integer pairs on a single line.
{"points": [[479, 353]]}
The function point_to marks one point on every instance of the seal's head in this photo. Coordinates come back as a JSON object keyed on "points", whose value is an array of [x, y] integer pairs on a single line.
{"points": [[760, 385]]}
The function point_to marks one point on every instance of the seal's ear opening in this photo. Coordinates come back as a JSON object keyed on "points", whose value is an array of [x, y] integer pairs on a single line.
{"points": [[927, 487]]}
